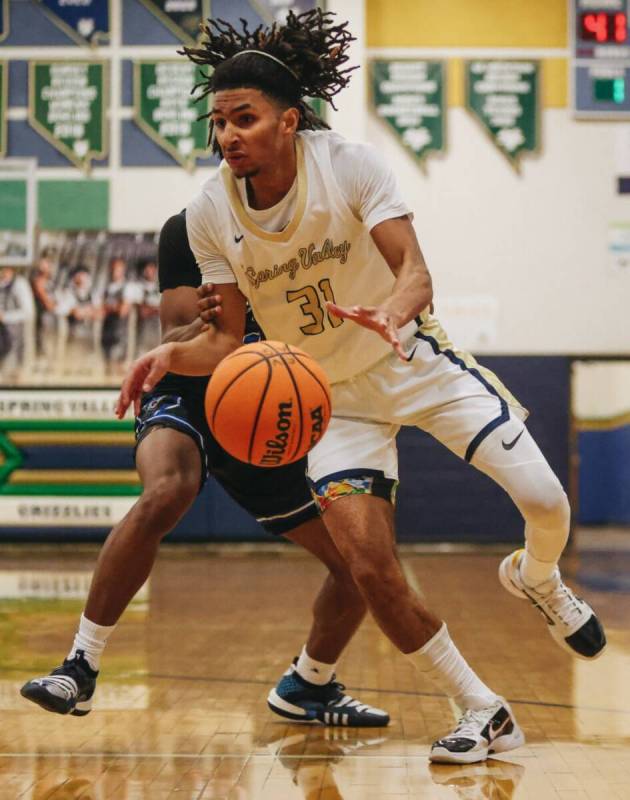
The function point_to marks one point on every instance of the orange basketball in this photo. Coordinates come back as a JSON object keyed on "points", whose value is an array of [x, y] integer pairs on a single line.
{"points": [[268, 403]]}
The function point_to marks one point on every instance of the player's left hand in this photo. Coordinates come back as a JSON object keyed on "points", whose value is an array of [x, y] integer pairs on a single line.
{"points": [[375, 319], [141, 377], [209, 303]]}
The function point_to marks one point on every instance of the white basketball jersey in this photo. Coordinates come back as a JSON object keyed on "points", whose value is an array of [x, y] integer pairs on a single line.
{"points": [[323, 253]]}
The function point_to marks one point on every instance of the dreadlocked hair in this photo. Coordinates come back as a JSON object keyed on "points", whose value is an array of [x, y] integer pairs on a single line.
{"points": [[311, 49]]}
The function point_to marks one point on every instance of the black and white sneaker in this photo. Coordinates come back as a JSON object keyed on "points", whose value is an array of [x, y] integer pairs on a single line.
{"points": [[302, 701], [570, 621], [479, 733], [67, 690]]}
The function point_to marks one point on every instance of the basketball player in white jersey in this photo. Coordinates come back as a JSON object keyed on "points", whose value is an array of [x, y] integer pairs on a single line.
{"points": [[312, 231]]}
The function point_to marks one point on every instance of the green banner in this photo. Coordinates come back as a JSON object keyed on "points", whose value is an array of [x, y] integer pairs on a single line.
{"points": [[504, 97], [4, 75], [182, 18], [409, 96], [67, 102], [166, 111]]}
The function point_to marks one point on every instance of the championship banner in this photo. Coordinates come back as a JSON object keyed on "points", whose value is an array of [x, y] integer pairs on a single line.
{"points": [[4, 19], [166, 111], [409, 96], [276, 10], [4, 75], [84, 21], [504, 97], [67, 102], [181, 17]]}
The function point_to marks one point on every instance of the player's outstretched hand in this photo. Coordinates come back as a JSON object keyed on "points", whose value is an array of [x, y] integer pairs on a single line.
{"points": [[141, 377], [209, 303], [374, 318]]}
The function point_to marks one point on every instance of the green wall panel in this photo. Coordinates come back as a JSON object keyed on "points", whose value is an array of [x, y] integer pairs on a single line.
{"points": [[12, 205], [73, 205]]}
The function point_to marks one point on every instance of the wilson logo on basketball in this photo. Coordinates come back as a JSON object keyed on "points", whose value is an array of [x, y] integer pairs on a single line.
{"points": [[277, 446], [268, 403]]}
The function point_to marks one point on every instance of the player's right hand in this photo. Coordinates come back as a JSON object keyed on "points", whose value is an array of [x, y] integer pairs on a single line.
{"points": [[142, 376], [208, 303]]}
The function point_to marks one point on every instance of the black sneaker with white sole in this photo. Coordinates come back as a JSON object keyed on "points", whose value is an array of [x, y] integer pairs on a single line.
{"points": [[67, 690], [479, 734], [297, 699]]}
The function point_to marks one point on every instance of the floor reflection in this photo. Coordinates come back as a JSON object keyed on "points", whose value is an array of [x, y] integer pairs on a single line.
{"points": [[310, 758], [494, 780], [180, 707]]}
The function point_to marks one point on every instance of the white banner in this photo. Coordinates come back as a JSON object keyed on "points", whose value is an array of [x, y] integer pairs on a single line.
{"points": [[58, 404], [67, 512]]}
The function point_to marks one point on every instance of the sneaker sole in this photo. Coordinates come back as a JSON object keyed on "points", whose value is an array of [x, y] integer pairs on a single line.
{"points": [[500, 745], [42, 698], [332, 719]]}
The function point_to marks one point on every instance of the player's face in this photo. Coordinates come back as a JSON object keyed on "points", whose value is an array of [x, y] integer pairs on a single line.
{"points": [[252, 131]]}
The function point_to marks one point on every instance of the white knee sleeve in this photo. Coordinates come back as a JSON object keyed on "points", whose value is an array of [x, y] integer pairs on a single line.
{"points": [[522, 470]]}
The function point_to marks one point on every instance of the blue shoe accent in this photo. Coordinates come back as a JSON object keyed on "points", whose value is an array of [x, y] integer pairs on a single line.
{"points": [[297, 699]]}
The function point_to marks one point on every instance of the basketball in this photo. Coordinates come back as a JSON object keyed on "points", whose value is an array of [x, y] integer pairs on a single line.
{"points": [[268, 403]]}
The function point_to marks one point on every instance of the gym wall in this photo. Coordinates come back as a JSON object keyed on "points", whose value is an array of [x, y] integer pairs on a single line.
{"points": [[524, 258]]}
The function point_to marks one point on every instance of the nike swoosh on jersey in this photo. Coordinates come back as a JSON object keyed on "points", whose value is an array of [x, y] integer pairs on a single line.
{"points": [[237, 239], [510, 445]]}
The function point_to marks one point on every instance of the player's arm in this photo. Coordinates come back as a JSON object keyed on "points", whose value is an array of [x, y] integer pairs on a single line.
{"points": [[372, 193], [179, 314], [412, 291], [199, 356]]}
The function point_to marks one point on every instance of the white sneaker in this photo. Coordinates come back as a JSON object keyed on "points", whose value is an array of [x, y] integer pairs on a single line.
{"points": [[479, 734], [570, 620]]}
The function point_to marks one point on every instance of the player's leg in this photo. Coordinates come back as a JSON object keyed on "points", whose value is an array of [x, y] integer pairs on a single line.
{"points": [[477, 418], [532, 573], [339, 607], [280, 499], [308, 691], [169, 463], [358, 511]]}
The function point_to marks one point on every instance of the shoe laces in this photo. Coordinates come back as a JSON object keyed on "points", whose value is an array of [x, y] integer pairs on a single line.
{"points": [[559, 601], [473, 721]]}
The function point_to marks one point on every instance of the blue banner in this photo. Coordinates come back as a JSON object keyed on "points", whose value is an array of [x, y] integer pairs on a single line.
{"points": [[85, 21], [182, 18]]}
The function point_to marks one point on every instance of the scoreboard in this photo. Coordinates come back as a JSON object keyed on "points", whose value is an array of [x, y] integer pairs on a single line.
{"points": [[600, 59]]}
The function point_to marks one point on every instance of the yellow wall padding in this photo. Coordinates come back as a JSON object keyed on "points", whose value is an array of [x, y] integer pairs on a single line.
{"points": [[466, 23]]}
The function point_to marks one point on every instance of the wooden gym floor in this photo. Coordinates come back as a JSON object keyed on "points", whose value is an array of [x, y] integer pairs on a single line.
{"points": [[180, 706]]}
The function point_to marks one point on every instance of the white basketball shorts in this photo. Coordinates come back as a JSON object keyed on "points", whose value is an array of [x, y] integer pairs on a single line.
{"points": [[440, 389]]}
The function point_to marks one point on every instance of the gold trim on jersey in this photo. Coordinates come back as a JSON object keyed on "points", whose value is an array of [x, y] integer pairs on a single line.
{"points": [[431, 327], [229, 181]]}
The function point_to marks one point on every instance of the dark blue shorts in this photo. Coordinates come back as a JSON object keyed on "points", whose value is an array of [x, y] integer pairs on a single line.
{"points": [[279, 498]]}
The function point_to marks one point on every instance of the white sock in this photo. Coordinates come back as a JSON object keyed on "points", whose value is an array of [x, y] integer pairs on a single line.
{"points": [[91, 638], [314, 671], [533, 571], [442, 662]]}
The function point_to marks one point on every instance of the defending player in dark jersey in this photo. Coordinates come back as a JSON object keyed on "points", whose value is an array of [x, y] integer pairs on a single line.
{"points": [[175, 452]]}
